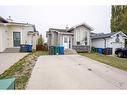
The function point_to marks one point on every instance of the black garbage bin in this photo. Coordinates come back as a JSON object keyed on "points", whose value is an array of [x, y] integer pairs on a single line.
{"points": [[23, 48]]}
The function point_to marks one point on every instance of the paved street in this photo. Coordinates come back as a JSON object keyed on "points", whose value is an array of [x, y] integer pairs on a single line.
{"points": [[75, 72], [8, 59]]}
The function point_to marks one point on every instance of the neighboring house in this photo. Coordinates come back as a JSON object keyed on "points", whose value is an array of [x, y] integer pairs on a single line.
{"points": [[77, 37], [13, 34], [111, 40]]}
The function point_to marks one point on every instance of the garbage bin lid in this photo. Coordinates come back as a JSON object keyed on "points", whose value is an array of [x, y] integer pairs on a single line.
{"points": [[5, 83]]}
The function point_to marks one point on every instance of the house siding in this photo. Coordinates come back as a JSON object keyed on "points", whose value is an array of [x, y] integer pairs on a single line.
{"points": [[98, 43], [3, 38], [35, 40], [12, 29], [77, 34], [110, 43], [80, 33], [6, 36]]}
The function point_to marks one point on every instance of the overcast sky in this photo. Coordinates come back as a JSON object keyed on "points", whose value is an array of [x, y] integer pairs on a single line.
{"points": [[44, 18]]}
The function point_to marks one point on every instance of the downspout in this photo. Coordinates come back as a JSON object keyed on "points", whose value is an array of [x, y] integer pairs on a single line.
{"points": [[104, 43]]}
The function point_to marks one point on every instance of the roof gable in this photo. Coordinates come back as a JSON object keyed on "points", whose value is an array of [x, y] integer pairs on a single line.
{"points": [[124, 35], [2, 20], [82, 24], [72, 28]]}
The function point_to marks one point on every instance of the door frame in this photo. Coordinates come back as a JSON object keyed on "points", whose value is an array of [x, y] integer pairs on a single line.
{"points": [[67, 41], [13, 38]]}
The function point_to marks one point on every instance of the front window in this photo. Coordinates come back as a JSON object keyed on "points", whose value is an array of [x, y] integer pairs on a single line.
{"points": [[85, 40], [65, 39]]}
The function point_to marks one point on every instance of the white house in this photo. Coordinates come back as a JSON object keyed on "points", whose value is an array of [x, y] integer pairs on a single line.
{"points": [[13, 34], [77, 37], [111, 40]]}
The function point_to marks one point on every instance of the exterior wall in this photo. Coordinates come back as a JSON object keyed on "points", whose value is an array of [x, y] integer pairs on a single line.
{"points": [[12, 29], [55, 38], [6, 36], [32, 38], [61, 40], [110, 43], [25, 38], [3, 38], [35, 39], [52, 38], [79, 35], [122, 40], [49, 39], [98, 43]]}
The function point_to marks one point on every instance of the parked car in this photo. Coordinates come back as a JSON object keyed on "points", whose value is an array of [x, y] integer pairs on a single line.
{"points": [[121, 52]]}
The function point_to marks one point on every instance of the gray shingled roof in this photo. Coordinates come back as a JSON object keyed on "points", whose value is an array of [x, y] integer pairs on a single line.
{"points": [[101, 35], [60, 30]]}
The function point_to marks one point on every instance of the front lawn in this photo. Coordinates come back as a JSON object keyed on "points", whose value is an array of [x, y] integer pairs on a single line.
{"points": [[22, 69], [120, 63]]}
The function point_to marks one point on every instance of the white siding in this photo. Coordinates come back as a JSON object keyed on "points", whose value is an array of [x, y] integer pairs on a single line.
{"points": [[79, 35], [35, 39], [3, 38], [98, 43], [6, 36], [12, 29], [110, 43], [122, 40]]}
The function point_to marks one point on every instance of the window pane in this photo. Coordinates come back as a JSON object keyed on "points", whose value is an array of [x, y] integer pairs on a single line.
{"points": [[65, 39]]}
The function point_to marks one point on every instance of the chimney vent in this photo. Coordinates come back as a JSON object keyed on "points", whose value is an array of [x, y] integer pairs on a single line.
{"points": [[9, 19], [67, 27]]}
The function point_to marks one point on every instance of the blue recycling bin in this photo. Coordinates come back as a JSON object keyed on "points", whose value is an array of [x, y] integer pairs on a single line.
{"points": [[100, 50], [61, 50], [25, 48], [29, 48]]}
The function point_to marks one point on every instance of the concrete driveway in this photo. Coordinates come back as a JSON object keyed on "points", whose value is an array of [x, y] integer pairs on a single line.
{"points": [[8, 59], [75, 72]]}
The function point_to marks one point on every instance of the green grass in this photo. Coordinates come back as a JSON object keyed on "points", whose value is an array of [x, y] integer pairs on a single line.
{"points": [[120, 63], [22, 69]]}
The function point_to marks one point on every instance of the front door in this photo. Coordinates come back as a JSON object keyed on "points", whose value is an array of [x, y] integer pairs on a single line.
{"points": [[66, 42], [16, 39]]}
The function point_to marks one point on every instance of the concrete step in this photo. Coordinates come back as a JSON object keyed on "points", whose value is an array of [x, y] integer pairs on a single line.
{"points": [[69, 51], [12, 50]]}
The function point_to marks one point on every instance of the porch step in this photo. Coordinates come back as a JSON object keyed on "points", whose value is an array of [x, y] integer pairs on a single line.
{"points": [[69, 51], [12, 50]]}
